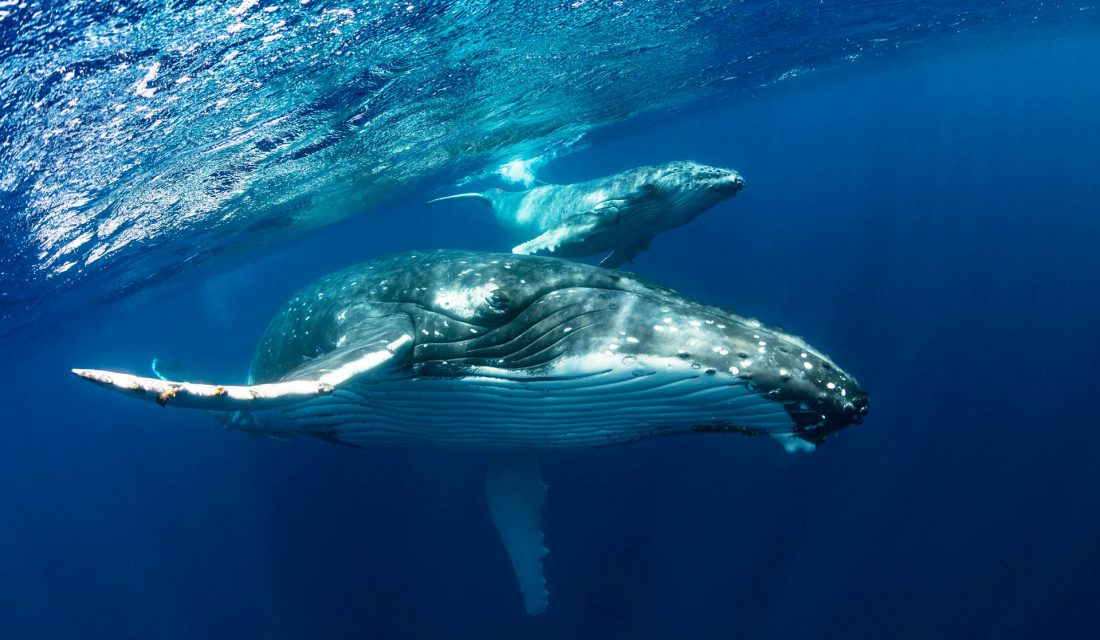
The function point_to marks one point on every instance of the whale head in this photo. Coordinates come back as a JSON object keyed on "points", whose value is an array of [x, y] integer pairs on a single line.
{"points": [[718, 371], [711, 183]]}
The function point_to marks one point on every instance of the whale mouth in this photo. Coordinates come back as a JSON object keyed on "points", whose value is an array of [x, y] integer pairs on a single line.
{"points": [[857, 409], [728, 184], [852, 412]]}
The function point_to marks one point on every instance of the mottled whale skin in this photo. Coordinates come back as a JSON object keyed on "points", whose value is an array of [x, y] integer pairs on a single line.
{"points": [[620, 214], [511, 355]]}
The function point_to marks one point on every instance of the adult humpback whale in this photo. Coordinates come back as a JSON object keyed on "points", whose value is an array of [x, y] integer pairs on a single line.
{"points": [[511, 355], [620, 213]]}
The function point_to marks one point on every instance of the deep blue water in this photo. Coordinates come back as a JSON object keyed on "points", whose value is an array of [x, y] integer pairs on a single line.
{"points": [[930, 220]]}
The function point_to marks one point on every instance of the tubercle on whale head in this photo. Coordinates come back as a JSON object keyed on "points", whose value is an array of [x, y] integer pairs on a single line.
{"points": [[817, 396], [716, 180], [820, 398], [728, 183], [777, 383]]}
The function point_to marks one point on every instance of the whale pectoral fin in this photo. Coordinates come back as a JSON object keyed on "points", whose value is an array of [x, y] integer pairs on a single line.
{"points": [[374, 341], [554, 238], [625, 254], [793, 443], [572, 230], [212, 397], [318, 377], [515, 493]]}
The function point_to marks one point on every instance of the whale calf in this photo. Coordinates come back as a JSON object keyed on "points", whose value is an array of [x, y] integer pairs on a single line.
{"points": [[620, 214], [511, 355]]}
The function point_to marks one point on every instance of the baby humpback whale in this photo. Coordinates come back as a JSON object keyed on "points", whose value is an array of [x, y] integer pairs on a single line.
{"points": [[620, 213], [511, 355]]}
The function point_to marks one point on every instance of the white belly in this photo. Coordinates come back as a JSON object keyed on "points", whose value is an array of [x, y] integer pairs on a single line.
{"points": [[585, 402]]}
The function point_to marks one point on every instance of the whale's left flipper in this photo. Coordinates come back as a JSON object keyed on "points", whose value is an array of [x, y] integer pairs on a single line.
{"points": [[515, 492], [572, 230], [316, 379]]}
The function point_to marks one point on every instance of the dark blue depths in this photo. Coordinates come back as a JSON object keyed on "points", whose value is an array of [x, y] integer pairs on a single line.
{"points": [[932, 224]]}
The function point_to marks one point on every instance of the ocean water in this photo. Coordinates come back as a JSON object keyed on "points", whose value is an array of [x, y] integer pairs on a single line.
{"points": [[922, 203]]}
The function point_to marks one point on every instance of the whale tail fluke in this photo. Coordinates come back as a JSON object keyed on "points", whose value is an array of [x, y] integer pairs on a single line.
{"points": [[483, 197]]}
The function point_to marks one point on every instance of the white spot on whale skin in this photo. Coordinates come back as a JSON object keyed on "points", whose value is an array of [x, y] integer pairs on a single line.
{"points": [[465, 303], [807, 365], [735, 370], [632, 339], [830, 386]]}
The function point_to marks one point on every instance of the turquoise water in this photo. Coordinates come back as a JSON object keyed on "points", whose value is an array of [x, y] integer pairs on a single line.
{"points": [[144, 139]]}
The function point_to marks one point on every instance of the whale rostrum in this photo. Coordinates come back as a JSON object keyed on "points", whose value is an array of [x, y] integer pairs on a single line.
{"points": [[511, 355], [620, 214]]}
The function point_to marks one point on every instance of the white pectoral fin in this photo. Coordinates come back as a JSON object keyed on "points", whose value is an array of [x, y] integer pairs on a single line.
{"points": [[515, 493], [343, 365], [572, 230], [794, 444], [213, 397]]}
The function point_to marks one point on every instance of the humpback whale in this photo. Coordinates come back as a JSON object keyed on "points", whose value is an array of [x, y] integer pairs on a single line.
{"points": [[620, 213], [512, 355]]}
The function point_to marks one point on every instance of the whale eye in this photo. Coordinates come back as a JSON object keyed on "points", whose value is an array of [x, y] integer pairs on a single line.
{"points": [[499, 300]]}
